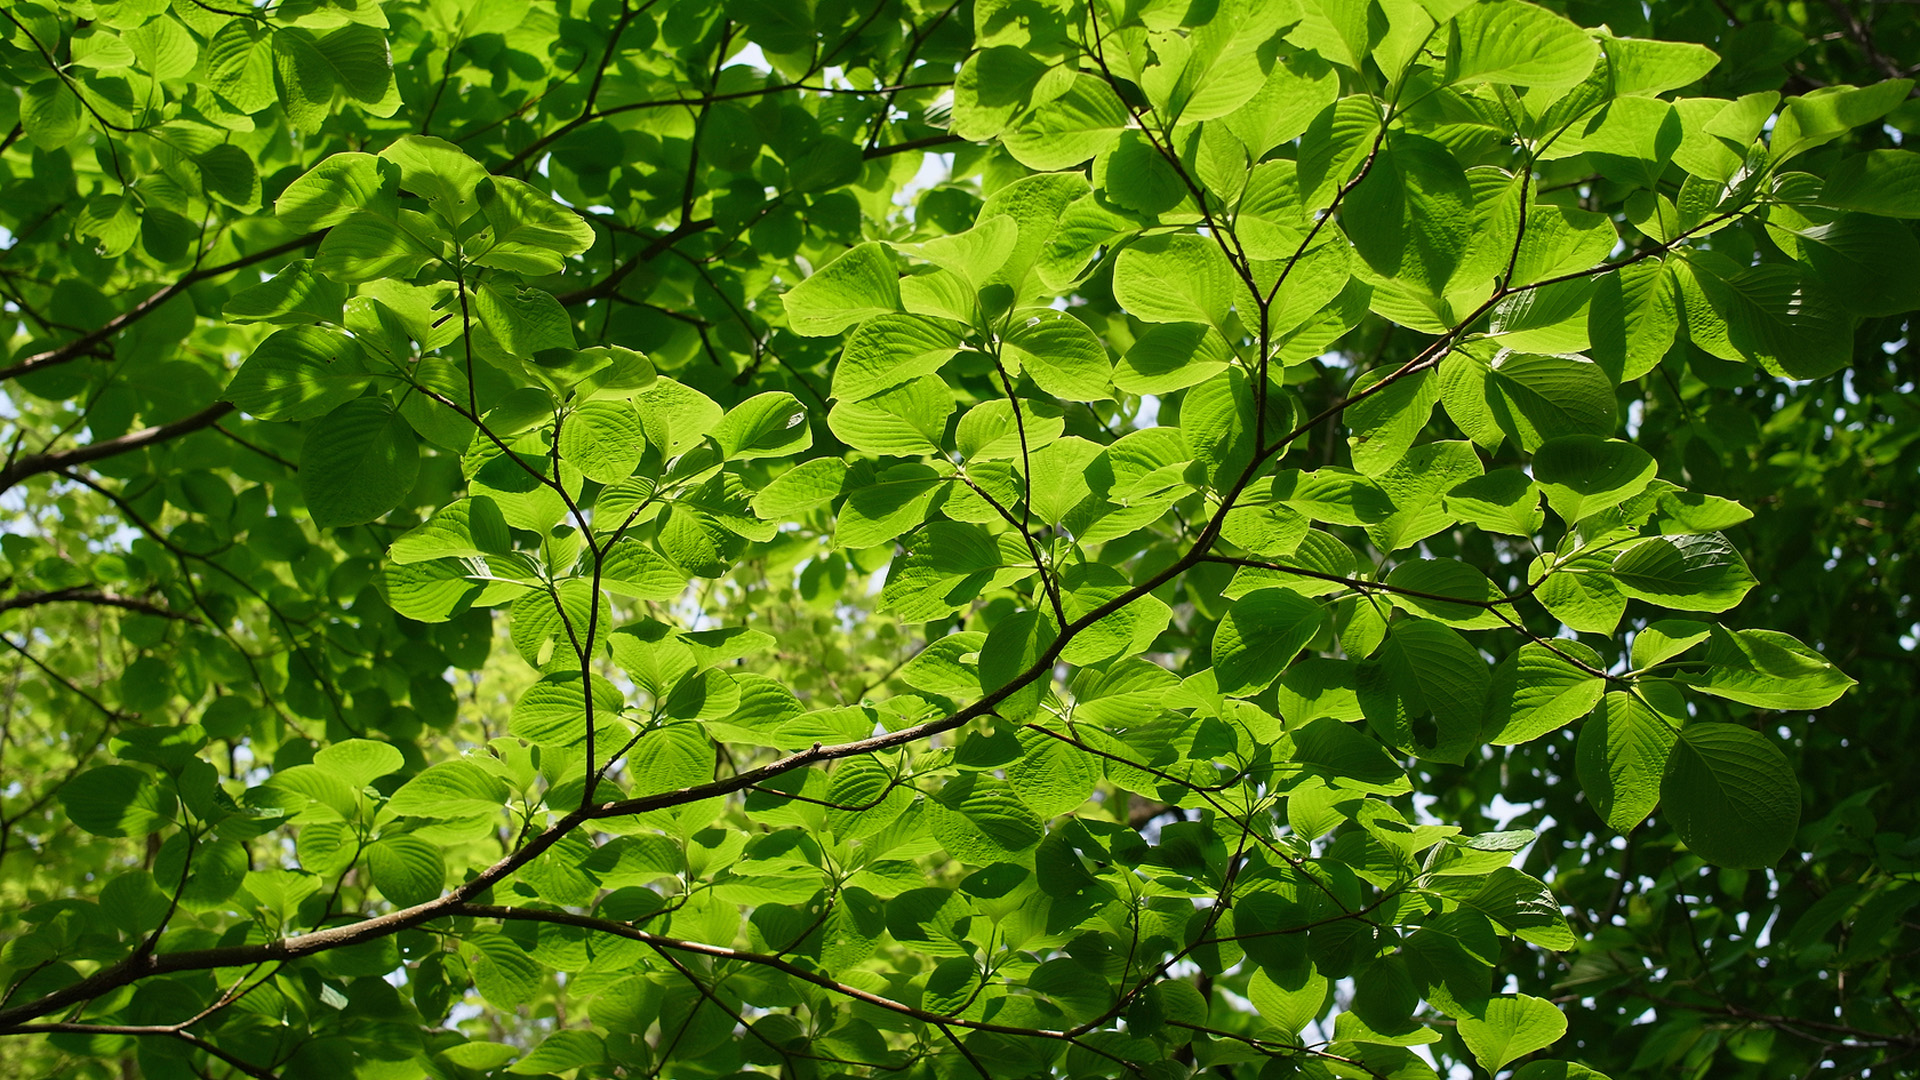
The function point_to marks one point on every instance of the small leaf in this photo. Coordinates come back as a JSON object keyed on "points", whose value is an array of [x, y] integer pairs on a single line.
{"points": [[1768, 670], [1512, 1027], [766, 425], [1622, 755], [359, 762], [406, 869]]}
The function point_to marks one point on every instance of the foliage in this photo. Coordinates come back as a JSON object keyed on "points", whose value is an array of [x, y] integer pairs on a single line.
{"points": [[1006, 539]]}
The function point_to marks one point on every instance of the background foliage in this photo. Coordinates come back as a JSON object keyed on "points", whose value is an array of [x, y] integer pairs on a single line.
{"points": [[1010, 538]]}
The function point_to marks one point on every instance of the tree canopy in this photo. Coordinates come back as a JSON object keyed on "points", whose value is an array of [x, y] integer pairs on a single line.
{"points": [[1012, 538]]}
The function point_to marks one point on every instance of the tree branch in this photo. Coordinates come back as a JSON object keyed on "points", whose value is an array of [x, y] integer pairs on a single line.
{"points": [[82, 595], [85, 343]]}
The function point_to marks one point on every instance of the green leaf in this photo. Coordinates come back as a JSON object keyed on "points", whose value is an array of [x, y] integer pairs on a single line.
{"points": [[553, 711], [974, 255], [357, 463], [1411, 217], [997, 83], [909, 420], [1580, 593], [295, 295], [603, 439], [1429, 587], [1539, 689], [530, 230], [310, 69], [116, 800], [1510, 1028], [1537, 398], [1884, 182], [1666, 639], [1012, 648], [1506, 41], [1556, 1070], [1768, 314], [1690, 573], [1340, 753], [1826, 113], [1297, 89], [1525, 907], [943, 666], [1622, 756], [1768, 670], [562, 1051], [1416, 489], [980, 820], [406, 869], [238, 62], [1633, 319], [1059, 353], [670, 758], [1290, 1002], [766, 425], [1870, 265], [1731, 795], [1259, 636], [804, 487], [856, 286], [1384, 425], [50, 114], [502, 971], [443, 174], [329, 193], [1425, 692], [1504, 501], [1070, 129], [878, 512], [1052, 777], [451, 789], [1179, 278], [432, 591], [1217, 420], [891, 349], [299, 373], [227, 173], [359, 762], [367, 246], [946, 567], [1583, 474], [522, 322]]}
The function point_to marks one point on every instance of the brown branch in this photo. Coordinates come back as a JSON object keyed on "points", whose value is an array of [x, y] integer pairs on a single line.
{"points": [[86, 343], [82, 595], [56, 460]]}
